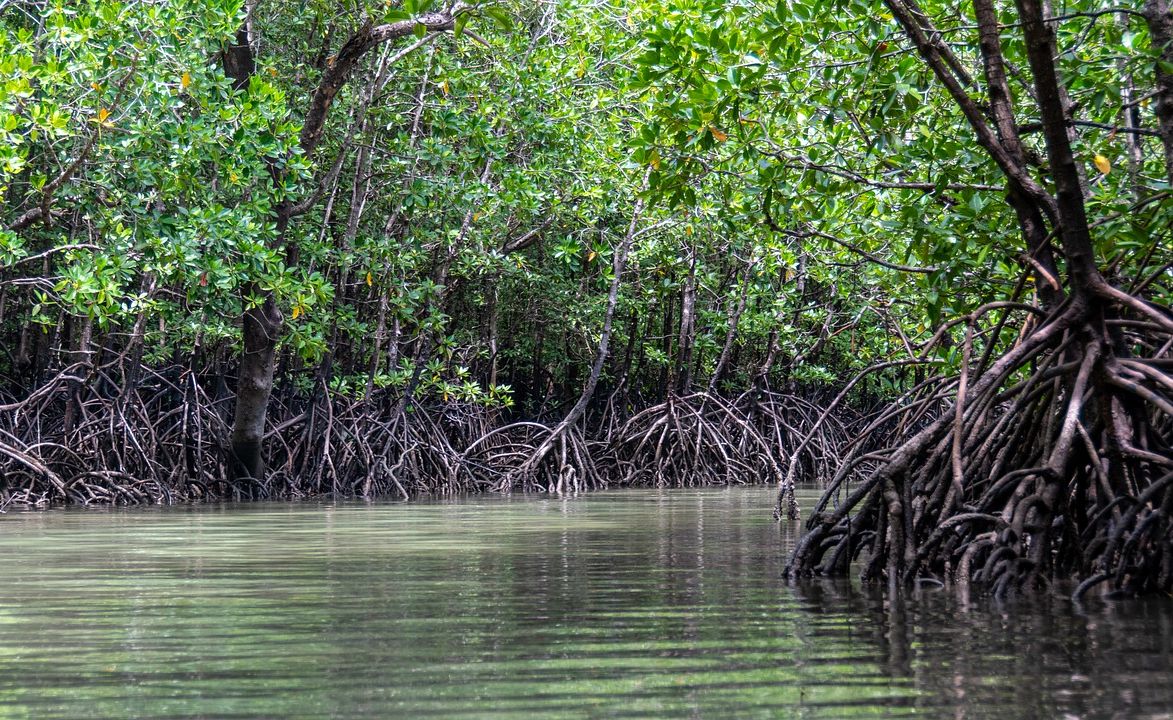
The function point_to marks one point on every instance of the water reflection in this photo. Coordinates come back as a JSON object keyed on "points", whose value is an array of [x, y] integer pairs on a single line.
{"points": [[625, 604], [1038, 657]]}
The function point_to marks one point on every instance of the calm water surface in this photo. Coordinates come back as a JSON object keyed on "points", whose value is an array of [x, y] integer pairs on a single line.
{"points": [[620, 604]]}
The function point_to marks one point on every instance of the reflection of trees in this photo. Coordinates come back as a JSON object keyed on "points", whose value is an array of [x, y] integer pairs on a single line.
{"points": [[1035, 658]]}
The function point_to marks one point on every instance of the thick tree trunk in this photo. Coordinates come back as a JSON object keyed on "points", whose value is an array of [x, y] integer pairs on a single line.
{"points": [[260, 327], [1030, 216], [1069, 196], [238, 59]]}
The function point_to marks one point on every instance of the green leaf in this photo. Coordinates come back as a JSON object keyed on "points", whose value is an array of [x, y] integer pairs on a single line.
{"points": [[501, 17]]}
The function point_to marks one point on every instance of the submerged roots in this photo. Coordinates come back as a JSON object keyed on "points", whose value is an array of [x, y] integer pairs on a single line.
{"points": [[166, 441], [686, 441], [702, 439], [528, 456], [1054, 461]]}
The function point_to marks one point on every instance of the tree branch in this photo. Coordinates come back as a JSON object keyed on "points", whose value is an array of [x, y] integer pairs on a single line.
{"points": [[340, 67]]}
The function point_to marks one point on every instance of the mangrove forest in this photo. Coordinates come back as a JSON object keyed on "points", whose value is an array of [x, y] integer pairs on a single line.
{"points": [[911, 256], [504, 360]]}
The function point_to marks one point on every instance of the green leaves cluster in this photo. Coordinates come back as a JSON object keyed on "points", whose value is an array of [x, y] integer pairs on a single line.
{"points": [[456, 225]]}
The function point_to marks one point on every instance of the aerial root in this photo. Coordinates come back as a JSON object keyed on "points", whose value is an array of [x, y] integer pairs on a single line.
{"points": [[81, 439], [530, 456], [1056, 462], [704, 439]]}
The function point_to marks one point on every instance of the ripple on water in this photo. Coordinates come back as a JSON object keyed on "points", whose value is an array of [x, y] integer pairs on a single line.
{"points": [[620, 604]]}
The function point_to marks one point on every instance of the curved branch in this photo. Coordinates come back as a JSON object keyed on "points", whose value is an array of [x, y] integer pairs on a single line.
{"points": [[340, 67]]}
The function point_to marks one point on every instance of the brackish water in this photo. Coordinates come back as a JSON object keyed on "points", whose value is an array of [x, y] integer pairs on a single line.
{"points": [[618, 604]]}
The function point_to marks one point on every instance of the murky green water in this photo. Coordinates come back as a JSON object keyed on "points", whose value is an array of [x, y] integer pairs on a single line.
{"points": [[623, 604]]}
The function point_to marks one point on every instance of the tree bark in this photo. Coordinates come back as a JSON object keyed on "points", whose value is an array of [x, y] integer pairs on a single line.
{"points": [[687, 328], [732, 322], [1130, 119], [1069, 197], [1160, 21], [926, 38], [1030, 216], [239, 63], [260, 327]]}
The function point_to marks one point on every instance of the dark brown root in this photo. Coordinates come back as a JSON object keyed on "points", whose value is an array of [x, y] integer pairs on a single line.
{"points": [[511, 458], [76, 441], [703, 439], [165, 440], [1056, 461]]}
